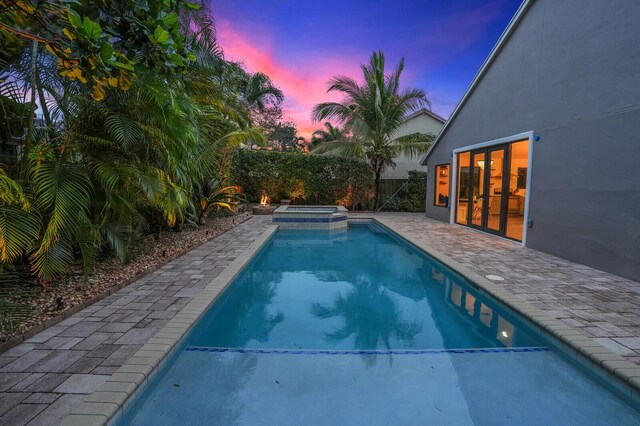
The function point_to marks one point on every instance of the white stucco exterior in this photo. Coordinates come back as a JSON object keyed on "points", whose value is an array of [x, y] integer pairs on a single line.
{"points": [[424, 122]]}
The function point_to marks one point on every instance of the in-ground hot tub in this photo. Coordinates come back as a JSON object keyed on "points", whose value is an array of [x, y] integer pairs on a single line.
{"points": [[310, 217]]}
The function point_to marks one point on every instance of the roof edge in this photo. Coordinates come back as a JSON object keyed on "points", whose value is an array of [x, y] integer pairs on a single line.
{"points": [[429, 113], [506, 34]]}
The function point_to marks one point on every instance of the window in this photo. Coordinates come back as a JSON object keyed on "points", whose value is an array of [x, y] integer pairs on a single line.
{"points": [[442, 185]]}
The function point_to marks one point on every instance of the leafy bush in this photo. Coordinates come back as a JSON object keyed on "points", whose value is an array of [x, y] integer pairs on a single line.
{"points": [[412, 197], [304, 179], [138, 115]]}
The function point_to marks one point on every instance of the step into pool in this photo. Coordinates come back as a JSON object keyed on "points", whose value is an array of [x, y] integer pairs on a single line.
{"points": [[361, 328]]}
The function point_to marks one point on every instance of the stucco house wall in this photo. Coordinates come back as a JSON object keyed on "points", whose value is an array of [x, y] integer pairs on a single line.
{"points": [[422, 122], [569, 73]]}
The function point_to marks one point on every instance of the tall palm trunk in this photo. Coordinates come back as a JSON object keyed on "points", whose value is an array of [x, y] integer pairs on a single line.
{"points": [[43, 101], [32, 112], [378, 173]]}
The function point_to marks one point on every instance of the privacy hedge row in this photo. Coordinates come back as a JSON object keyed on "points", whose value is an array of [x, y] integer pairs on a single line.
{"points": [[304, 179]]}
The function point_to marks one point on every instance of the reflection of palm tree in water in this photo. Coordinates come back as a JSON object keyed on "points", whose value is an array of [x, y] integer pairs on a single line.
{"points": [[371, 315], [254, 306], [224, 377], [245, 311]]}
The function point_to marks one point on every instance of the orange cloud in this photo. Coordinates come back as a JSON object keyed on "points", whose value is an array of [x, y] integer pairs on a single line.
{"points": [[303, 86]]}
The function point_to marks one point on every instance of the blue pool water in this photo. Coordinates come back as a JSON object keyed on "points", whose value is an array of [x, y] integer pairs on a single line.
{"points": [[360, 328]]}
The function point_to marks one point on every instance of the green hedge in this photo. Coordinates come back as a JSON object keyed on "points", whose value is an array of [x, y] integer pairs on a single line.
{"points": [[302, 178], [412, 197]]}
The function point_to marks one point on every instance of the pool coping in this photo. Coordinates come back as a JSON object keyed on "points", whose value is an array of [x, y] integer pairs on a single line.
{"points": [[108, 402]]}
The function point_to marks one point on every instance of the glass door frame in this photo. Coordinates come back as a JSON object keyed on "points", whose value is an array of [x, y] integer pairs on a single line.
{"points": [[504, 190], [471, 196]]}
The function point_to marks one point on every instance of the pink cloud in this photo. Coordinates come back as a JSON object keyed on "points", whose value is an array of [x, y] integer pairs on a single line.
{"points": [[303, 86]]}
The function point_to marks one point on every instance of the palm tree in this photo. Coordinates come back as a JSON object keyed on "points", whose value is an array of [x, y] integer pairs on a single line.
{"points": [[249, 95], [374, 111], [260, 90], [332, 133]]}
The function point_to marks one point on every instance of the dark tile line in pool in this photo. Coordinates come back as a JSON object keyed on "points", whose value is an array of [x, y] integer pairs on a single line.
{"points": [[309, 219], [366, 352]]}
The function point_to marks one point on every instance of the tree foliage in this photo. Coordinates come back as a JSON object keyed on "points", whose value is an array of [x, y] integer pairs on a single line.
{"points": [[111, 160], [105, 43], [330, 133], [282, 135]]}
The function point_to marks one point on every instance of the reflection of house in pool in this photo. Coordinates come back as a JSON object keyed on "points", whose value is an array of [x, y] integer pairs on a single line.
{"points": [[543, 147], [477, 312], [497, 326]]}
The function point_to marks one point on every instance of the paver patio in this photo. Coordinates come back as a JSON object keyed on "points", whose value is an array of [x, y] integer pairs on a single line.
{"points": [[44, 378]]}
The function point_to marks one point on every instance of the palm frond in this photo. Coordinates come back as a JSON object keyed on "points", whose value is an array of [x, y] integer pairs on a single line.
{"points": [[339, 148], [414, 144], [53, 261], [18, 232], [62, 193], [332, 111]]}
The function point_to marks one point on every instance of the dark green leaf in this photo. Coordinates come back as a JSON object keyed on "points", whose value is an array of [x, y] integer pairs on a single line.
{"points": [[92, 29], [175, 59], [106, 52], [74, 20], [160, 35], [127, 67], [171, 20]]}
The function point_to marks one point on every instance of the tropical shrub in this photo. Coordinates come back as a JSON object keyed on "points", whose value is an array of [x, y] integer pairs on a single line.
{"points": [[304, 179], [109, 161]]}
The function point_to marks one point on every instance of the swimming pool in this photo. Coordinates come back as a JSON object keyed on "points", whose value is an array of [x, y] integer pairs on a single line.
{"points": [[359, 327]]}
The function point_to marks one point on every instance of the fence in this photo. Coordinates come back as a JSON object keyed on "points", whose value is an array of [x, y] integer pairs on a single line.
{"points": [[388, 187], [409, 194]]}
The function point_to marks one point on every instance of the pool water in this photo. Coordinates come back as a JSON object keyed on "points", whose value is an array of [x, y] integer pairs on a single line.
{"points": [[360, 328]]}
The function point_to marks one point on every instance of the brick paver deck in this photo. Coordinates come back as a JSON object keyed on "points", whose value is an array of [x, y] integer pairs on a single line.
{"points": [[44, 378]]}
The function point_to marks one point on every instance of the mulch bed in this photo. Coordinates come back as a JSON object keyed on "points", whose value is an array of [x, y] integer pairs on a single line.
{"points": [[109, 275]]}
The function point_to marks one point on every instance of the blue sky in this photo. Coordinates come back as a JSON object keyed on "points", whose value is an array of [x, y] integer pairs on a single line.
{"points": [[301, 44]]}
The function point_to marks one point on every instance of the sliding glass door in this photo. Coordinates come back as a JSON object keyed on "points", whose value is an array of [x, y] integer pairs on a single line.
{"points": [[488, 190]]}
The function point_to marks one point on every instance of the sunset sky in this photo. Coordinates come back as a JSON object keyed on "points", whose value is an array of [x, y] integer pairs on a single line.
{"points": [[301, 44]]}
